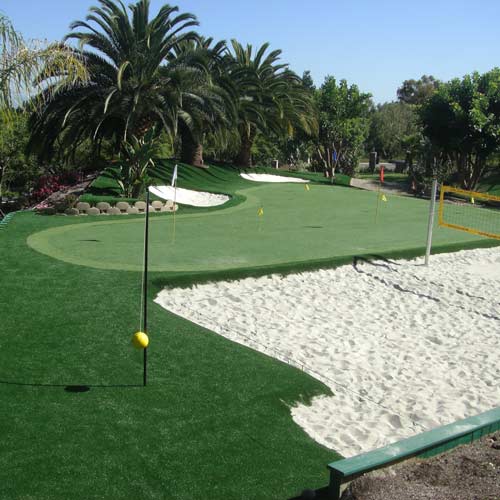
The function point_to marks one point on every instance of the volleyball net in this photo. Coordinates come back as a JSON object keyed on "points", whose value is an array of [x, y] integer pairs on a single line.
{"points": [[470, 211]]}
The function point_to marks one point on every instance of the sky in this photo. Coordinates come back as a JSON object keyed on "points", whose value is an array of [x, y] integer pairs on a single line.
{"points": [[376, 44]]}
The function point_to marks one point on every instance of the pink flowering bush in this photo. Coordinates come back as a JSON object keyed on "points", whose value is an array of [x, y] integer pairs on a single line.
{"points": [[48, 184]]}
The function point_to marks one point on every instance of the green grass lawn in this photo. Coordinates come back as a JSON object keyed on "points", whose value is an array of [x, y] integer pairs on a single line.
{"points": [[214, 421], [490, 184], [388, 176]]}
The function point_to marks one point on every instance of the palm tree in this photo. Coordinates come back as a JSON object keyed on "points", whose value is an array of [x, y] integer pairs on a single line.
{"points": [[22, 62], [134, 82], [271, 98], [208, 101]]}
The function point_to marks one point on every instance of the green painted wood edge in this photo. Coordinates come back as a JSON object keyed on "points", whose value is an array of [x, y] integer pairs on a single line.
{"points": [[423, 445], [464, 439]]}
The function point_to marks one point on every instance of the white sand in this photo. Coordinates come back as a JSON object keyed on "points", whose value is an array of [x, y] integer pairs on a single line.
{"points": [[189, 197], [403, 347], [271, 178]]}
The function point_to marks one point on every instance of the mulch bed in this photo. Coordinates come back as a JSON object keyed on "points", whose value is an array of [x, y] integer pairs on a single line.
{"points": [[469, 472]]}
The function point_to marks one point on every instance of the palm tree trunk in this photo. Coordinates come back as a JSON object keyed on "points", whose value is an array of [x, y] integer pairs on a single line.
{"points": [[192, 154], [244, 158], [191, 149], [143, 125]]}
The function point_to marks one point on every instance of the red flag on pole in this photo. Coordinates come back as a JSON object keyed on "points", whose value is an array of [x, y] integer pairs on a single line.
{"points": [[381, 174]]}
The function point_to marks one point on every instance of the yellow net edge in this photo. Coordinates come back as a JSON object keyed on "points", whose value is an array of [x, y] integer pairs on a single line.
{"points": [[468, 194]]}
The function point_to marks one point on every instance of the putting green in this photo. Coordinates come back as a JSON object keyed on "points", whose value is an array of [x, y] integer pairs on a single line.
{"points": [[297, 226]]}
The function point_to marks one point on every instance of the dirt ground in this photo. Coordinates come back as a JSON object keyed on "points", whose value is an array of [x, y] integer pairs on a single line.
{"points": [[469, 472]]}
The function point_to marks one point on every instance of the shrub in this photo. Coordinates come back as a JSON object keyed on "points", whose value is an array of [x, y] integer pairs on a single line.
{"points": [[48, 184], [68, 201]]}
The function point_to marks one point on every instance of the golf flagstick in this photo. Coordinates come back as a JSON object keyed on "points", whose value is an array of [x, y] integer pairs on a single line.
{"points": [[145, 288], [174, 184], [378, 202], [381, 180], [175, 197]]}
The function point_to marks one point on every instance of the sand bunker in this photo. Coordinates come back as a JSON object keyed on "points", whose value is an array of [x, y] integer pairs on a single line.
{"points": [[403, 347], [271, 178], [189, 197]]}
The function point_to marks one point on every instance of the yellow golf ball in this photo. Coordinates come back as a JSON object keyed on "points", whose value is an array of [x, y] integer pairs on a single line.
{"points": [[140, 340]]}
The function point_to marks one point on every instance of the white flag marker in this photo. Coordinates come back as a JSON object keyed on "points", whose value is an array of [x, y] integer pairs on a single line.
{"points": [[174, 177]]}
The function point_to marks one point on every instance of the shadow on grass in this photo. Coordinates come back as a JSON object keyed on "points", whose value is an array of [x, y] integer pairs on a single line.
{"points": [[71, 388]]}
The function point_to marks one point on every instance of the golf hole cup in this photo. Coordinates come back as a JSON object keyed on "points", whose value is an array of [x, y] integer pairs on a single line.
{"points": [[140, 340]]}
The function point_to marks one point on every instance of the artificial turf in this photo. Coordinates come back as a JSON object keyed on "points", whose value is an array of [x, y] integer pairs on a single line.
{"points": [[214, 421], [213, 179], [299, 227]]}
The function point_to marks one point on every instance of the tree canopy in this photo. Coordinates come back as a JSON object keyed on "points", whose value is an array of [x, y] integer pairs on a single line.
{"points": [[125, 78], [132, 84], [208, 107], [26, 64], [417, 91], [270, 98], [462, 121], [343, 124], [393, 126]]}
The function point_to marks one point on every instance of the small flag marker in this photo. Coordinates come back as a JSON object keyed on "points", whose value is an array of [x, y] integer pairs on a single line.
{"points": [[174, 177], [260, 212], [306, 187], [472, 201], [383, 198]]}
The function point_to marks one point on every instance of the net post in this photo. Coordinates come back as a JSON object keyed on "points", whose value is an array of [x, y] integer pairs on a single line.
{"points": [[432, 209]]}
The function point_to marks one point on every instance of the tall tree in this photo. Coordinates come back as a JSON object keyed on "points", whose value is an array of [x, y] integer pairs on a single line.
{"points": [[270, 97], [207, 107], [417, 91], [343, 124], [307, 80], [134, 84], [462, 122], [17, 170], [22, 63], [392, 126]]}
